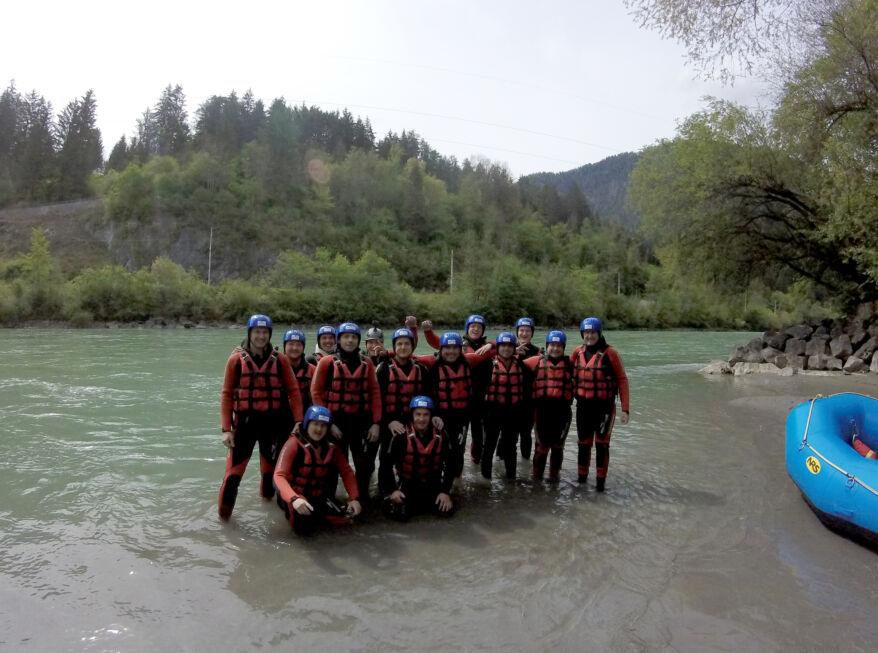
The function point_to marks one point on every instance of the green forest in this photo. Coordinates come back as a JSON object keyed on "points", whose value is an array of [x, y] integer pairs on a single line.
{"points": [[748, 219]]}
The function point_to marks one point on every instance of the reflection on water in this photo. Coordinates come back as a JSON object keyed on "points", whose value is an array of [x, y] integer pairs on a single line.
{"points": [[109, 541]]}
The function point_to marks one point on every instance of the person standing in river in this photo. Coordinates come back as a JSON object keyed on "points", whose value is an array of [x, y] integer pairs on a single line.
{"points": [[325, 345], [598, 376], [346, 384], [252, 409], [524, 331]]}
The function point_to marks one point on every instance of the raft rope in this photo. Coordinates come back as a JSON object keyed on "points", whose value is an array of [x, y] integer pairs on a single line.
{"points": [[851, 479]]}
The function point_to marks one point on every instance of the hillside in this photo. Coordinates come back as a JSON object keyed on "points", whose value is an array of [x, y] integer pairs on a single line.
{"points": [[605, 185]]}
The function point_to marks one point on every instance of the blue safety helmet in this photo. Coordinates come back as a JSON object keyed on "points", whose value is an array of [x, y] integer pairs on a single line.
{"points": [[404, 332], [591, 324], [451, 339], [349, 327], [259, 320], [474, 319], [326, 329], [421, 402], [525, 322], [557, 336], [507, 338], [294, 335], [316, 414]]}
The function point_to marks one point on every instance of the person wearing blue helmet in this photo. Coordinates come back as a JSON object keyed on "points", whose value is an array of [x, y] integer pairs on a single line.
{"points": [[598, 377], [307, 473], [524, 331], [450, 379], [552, 394], [345, 382], [294, 350], [421, 459], [252, 409], [326, 343], [504, 405]]}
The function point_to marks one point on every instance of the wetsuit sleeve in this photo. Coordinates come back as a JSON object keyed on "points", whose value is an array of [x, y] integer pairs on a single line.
{"points": [[387, 481], [431, 338], [283, 471], [532, 363], [230, 382], [318, 383], [291, 384], [427, 360], [475, 359], [574, 354], [374, 393], [382, 374], [621, 377], [347, 475], [415, 334]]}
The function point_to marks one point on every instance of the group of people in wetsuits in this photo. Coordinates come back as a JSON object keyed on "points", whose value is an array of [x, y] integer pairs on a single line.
{"points": [[311, 416]]}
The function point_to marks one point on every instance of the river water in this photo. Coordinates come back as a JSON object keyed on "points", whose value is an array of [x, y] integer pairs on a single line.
{"points": [[111, 461]]}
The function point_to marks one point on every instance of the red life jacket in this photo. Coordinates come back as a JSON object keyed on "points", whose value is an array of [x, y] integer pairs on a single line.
{"points": [[260, 388], [304, 373], [314, 475], [401, 387], [553, 380], [593, 378], [506, 387], [348, 391], [422, 464], [863, 449], [454, 388]]}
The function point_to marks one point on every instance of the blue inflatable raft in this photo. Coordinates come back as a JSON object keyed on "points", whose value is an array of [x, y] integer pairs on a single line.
{"points": [[839, 484]]}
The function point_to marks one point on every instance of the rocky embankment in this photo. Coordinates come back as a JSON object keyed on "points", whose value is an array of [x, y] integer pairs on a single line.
{"points": [[845, 346]]}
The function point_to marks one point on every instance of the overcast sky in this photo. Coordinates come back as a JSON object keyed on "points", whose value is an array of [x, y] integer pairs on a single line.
{"points": [[539, 86]]}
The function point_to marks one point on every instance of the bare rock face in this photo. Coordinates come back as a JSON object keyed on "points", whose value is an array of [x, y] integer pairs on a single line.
{"points": [[865, 352], [800, 332], [775, 339], [841, 347], [817, 346], [770, 354], [716, 367], [795, 347], [853, 364]]}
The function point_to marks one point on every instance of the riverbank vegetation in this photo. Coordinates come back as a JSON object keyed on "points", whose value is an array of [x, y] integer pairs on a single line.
{"points": [[749, 219]]}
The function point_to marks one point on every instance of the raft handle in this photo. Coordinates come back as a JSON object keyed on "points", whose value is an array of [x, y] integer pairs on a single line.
{"points": [[808, 423]]}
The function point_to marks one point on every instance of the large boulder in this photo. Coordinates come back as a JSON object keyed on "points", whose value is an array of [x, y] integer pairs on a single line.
{"points": [[796, 362], [873, 330], [817, 346], [737, 354], [836, 328], [716, 367], [795, 347], [743, 369], [775, 339], [769, 354], [756, 344], [841, 347], [874, 366], [820, 330], [865, 352], [866, 311], [857, 332], [800, 331], [753, 356], [853, 364], [781, 361], [834, 364], [821, 362]]}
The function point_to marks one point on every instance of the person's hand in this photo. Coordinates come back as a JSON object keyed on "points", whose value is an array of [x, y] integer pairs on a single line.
{"points": [[411, 322], [444, 502], [426, 325], [396, 427], [484, 349], [397, 497], [354, 508], [229, 439], [336, 432], [379, 351], [438, 424], [625, 417], [522, 350], [374, 431], [297, 428], [302, 507]]}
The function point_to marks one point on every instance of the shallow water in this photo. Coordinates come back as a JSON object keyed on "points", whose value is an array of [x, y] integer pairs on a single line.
{"points": [[111, 461]]}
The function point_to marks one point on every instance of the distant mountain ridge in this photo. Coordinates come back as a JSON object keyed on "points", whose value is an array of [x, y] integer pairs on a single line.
{"points": [[605, 185]]}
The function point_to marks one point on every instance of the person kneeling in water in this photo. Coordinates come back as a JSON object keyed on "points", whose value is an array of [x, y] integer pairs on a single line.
{"points": [[306, 475], [424, 469]]}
